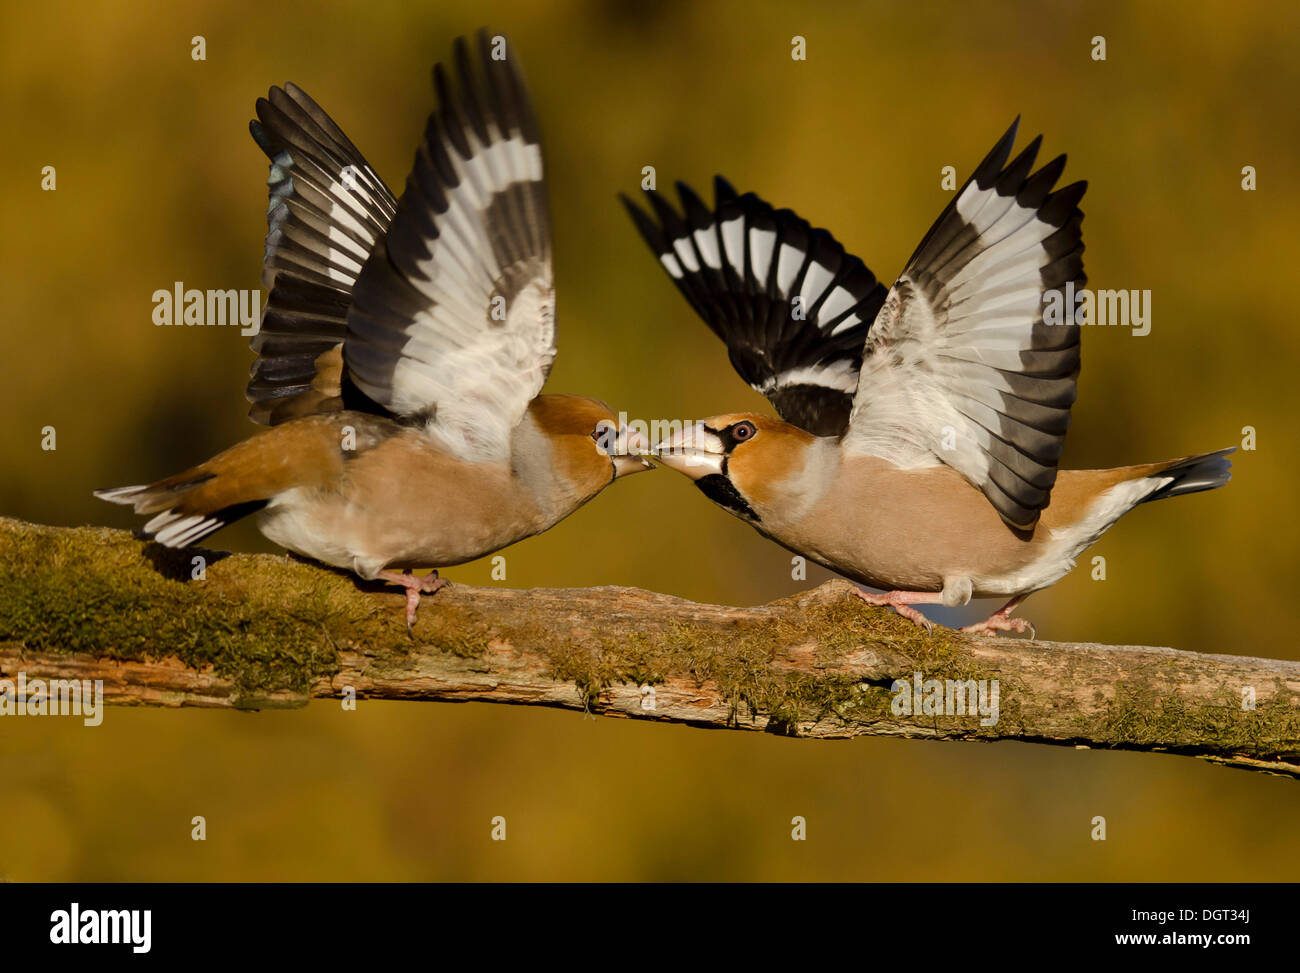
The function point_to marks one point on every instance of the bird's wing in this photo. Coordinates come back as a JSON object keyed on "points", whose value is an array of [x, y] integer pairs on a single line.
{"points": [[791, 306], [974, 358], [452, 317], [327, 210]]}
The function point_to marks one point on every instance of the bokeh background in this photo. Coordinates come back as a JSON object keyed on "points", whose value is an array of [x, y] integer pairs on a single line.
{"points": [[158, 181]]}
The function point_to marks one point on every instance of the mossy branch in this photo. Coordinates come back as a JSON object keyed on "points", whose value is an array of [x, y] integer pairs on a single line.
{"points": [[260, 631]]}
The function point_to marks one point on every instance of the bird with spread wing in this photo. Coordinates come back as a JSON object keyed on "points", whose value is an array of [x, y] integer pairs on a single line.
{"points": [[921, 426], [403, 348]]}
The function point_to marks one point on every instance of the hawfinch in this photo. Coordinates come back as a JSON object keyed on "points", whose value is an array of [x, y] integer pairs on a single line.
{"points": [[402, 350], [922, 425]]}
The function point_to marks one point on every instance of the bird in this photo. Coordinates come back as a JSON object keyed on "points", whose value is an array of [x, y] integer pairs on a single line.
{"points": [[921, 426], [402, 349]]}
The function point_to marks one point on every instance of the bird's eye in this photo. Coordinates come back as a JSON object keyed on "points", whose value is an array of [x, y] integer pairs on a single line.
{"points": [[742, 431], [605, 435]]}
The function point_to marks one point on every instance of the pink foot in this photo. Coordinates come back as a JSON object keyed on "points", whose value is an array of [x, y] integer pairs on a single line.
{"points": [[902, 602], [425, 584], [1001, 621], [996, 623]]}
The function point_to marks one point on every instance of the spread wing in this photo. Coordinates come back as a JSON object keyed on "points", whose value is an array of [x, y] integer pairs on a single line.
{"points": [[962, 366], [327, 209], [792, 307], [452, 316]]}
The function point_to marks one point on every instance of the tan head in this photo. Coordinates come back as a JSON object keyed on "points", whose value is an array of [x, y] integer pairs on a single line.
{"points": [[586, 447], [739, 461]]}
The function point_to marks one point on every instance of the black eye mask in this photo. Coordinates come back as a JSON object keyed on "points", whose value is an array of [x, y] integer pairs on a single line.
{"points": [[728, 435]]}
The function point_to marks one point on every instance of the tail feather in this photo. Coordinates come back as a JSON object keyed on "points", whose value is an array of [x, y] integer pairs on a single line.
{"points": [[174, 529], [1192, 474], [126, 494], [175, 523], [241, 480]]}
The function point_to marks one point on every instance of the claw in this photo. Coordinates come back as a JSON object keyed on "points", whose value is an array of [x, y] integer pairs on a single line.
{"points": [[901, 602], [1001, 621], [427, 584], [1001, 624]]}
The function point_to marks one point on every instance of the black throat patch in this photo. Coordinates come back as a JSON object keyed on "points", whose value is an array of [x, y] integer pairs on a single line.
{"points": [[718, 488]]}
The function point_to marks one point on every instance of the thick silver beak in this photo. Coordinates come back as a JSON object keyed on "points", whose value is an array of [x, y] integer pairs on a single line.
{"points": [[630, 450], [694, 451]]}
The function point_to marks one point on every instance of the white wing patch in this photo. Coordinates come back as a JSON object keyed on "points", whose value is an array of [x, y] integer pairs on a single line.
{"points": [[959, 366], [453, 318], [791, 305]]}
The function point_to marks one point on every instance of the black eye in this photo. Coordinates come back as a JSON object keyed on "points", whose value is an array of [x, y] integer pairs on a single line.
{"points": [[742, 431], [605, 435]]}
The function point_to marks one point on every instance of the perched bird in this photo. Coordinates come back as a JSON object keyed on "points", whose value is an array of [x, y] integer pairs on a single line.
{"points": [[922, 425], [402, 350]]}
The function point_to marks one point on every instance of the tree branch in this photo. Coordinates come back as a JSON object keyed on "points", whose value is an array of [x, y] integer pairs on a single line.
{"points": [[260, 631]]}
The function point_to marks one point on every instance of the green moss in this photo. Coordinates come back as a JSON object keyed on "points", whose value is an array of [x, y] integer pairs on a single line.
{"points": [[1139, 716], [739, 663], [274, 627], [234, 621], [455, 629]]}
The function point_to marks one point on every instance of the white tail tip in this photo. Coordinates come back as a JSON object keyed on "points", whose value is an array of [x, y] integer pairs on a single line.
{"points": [[126, 494]]}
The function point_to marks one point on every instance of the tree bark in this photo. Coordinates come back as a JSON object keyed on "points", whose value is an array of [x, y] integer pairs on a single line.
{"points": [[201, 628]]}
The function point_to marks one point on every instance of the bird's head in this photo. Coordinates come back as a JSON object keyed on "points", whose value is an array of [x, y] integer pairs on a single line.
{"points": [[743, 462], [586, 442]]}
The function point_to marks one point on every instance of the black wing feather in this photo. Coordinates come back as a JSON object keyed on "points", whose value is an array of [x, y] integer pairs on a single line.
{"points": [[791, 306]]}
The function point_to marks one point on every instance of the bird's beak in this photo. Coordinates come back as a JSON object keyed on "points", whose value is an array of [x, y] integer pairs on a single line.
{"points": [[630, 451], [694, 451]]}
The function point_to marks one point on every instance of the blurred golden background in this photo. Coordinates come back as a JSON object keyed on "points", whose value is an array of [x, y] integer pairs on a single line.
{"points": [[158, 181]]}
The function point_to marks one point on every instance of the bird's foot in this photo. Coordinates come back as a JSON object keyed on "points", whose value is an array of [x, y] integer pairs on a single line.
{"points": [[425, 584], [902, 602], [1001, 621]]}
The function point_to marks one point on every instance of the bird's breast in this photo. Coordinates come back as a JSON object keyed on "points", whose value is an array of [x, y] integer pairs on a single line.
{"points": [[908, 530], [405, 504]]}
